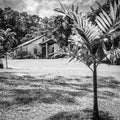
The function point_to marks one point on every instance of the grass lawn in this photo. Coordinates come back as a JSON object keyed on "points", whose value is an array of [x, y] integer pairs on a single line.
{"points": [[57, 90]]}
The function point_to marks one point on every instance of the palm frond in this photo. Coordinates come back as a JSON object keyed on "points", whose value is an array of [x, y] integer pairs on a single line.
{"points": [[99, 5], [85, 28], [59, 10], [92, 9], [72, 7], [109, 23], [62, 6], [112, 12]]}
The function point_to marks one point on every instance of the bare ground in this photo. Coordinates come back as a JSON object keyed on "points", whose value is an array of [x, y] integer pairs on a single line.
{"points": [[56, 90]]}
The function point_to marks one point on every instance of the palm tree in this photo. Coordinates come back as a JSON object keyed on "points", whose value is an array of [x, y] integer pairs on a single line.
{"points": [[7, 41], [90, 49]]}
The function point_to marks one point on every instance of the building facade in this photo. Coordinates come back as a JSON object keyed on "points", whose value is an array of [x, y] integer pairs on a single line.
{"points": [[40, 47]]}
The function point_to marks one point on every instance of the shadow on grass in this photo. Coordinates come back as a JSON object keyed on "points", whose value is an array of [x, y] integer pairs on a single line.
{"points": [[35, 92], [81, 115], [109, 82], [43, 96], [30, 93]]}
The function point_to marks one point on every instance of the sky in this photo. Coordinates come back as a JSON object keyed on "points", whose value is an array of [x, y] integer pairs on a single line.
{"points": [[45, 8]]}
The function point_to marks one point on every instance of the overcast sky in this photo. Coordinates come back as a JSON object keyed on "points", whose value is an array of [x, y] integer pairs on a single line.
{"points": [[46, 7]]}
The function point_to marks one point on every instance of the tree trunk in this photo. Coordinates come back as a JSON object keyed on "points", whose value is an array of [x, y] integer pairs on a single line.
{"points": [[1, 64], [6, 62], [95, 104]]}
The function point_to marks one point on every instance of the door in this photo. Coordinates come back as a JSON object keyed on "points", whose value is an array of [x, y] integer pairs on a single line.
{"points": [[43, 51]]}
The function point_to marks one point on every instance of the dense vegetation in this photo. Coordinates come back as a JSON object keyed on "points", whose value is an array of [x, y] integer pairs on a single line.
{"points": [[28, 26]]}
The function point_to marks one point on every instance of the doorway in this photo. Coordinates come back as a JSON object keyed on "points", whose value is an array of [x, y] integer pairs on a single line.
{"points": [[43, 51]]}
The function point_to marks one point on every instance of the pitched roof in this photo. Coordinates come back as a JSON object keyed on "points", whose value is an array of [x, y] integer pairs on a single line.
{"points": [[28, 42], [51, 41]]}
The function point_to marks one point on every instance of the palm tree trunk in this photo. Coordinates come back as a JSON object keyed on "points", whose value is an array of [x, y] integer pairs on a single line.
{"points": [[6, 61], [95, 104]]}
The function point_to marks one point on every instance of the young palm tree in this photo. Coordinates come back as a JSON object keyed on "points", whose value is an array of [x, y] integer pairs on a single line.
{"points": [[7, 40], [90, 49]]}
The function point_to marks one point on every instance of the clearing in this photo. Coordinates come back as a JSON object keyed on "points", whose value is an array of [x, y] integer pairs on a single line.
{"points": [[55, 90]]}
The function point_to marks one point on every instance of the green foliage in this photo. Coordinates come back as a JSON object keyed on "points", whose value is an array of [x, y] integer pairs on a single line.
{"points": [[24, 25], [24, 55], [7, 40], [94, 12], [91, 43], [109, 23], [107, 17], [110, 26], [28, 26], [62, 30], [88, 48]]}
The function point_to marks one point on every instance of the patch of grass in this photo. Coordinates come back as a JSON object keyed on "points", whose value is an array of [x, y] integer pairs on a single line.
{"points": [[77, 94], [24, 100], [109, 82], [80, 115], [27, 90], [111, 94]]}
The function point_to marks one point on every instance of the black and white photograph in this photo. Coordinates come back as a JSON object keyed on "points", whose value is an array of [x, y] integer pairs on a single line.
{"points": [[59, 59]]}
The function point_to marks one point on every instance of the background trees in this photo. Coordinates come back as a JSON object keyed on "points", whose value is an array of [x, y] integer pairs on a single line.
{"points": [[21, 23], [63, 29], [29, 26]]}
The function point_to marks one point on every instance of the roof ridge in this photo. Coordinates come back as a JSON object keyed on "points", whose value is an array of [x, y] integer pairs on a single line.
{"points": [[28, 42]]}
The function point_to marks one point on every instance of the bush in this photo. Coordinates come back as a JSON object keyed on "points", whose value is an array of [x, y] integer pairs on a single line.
{"points": [[24, 55], [116, 62]]}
